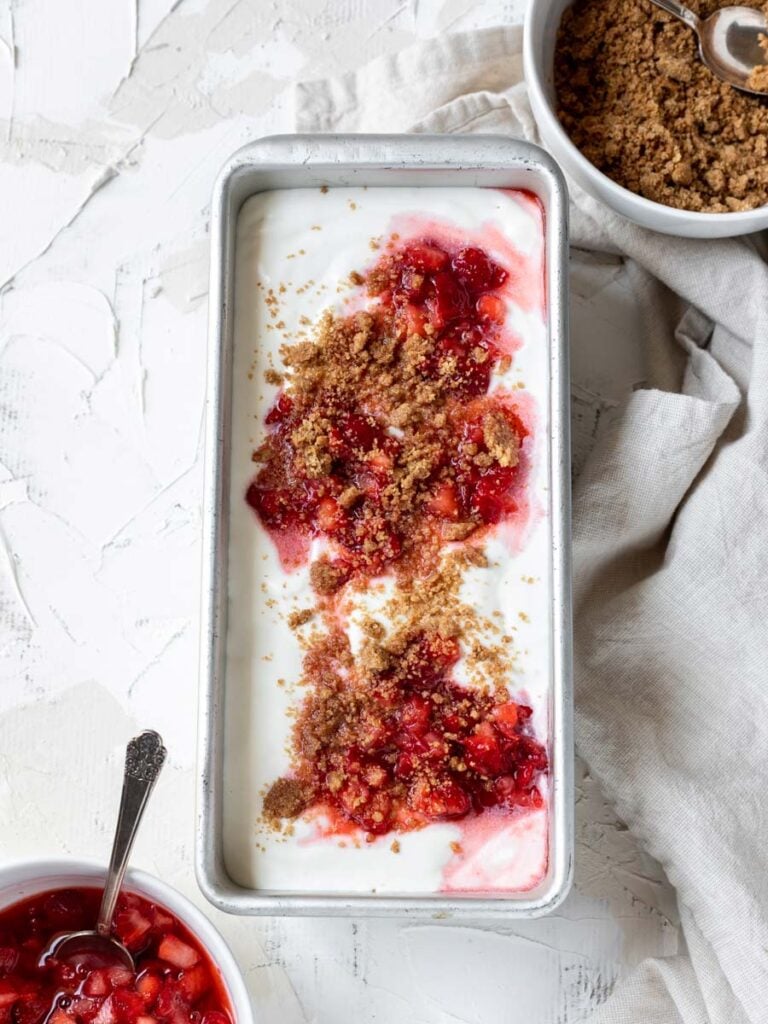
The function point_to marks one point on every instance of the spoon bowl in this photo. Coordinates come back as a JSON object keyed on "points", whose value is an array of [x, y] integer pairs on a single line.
{"points": [[90, 950], [729, 41]]}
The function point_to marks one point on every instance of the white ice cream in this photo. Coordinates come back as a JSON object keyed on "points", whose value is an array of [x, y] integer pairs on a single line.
{"points": [[308, 242]]}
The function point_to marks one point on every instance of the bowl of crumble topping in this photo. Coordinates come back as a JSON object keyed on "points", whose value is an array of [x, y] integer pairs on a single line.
{"points": [[626, 106]]}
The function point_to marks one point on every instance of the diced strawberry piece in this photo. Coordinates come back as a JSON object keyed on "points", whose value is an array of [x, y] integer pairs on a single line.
{"points": [[411, 319], [375, 816], [448, 302], [9, 958], [144, 1018], [443, 651], [330, 515], [97, 983], [527, 749], [63, 909], [491, 307], [380, 462], [412, 284], [30, 1009], [435, 748], [148, 986], [445, 799], [59, 1016], [280, 411], [490, 499], [119, 976], [405, 765], [506, 718], [505, 790], [359, 433], [194, 983], [354, 796], [425, 257], [215, 1017], [273, 506], [483, 750], [132, 928], [161, 920], [83, 1008], [106, 1013], [127, 1005], [9, 992], [477, 270], [444, 502], [176, 952], [415, 715]]}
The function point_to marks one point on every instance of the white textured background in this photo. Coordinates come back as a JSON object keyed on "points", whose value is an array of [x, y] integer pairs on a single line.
{"points": [[115, 116]]}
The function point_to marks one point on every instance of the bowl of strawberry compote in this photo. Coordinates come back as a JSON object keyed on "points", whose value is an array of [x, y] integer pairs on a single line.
{"points": [[184, 971]]}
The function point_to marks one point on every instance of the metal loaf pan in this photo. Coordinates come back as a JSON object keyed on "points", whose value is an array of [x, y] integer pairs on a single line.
{"points": [[301, 161]]}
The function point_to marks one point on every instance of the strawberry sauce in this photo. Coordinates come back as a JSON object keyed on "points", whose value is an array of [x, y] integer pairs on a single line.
{"points": [[389, 443], [175, 981]]}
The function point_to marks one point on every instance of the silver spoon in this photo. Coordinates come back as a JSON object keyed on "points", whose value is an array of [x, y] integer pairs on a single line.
{"points": [[729, 40], [144, 757]]}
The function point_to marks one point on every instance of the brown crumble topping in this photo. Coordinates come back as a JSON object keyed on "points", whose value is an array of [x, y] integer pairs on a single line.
{"points": [[285, 799], [300, 617], [637, 100], [395, 847]]}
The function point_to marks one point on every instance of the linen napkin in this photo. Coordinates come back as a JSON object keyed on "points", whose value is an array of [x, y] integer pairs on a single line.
{"points": [[670, 521]]}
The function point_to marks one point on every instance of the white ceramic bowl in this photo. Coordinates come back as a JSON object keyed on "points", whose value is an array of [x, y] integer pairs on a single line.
{"points": [[19, 881], [541, 22]]}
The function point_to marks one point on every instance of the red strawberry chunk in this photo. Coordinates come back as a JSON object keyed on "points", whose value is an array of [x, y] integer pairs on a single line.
{"points": [[132, 928], [414, 716], [106, 1013], [483, 750], [493, 308], [176, 952], [119, 976], [215, 1017], [9, 992], [84, 1008], [424, 257], [127, 1005], [445, 799], [9, 958], [97, 983], [330, 515], [477, 271], [506, 718], [59, 1016], [444, 502], [194, 983], [148, 986]]}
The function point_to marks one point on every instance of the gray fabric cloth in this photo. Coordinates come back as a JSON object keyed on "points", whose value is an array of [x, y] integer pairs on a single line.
{"points": [[670, 522]]}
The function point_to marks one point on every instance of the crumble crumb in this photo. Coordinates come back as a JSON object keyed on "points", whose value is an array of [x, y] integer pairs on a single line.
{"points": [[300, 617], [285, 798], [325, 577]]}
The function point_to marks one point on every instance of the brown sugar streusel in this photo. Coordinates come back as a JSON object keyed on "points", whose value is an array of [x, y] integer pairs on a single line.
{"points": [[636, 99]]}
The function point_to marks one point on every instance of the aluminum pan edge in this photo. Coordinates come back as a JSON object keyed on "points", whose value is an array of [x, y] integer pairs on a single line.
{"points": [[312, 160]]}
